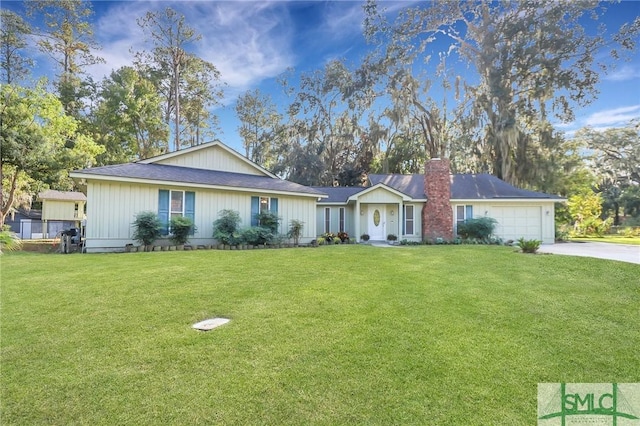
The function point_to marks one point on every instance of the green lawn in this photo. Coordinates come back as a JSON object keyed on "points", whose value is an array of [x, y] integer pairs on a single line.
{"points": [[615, 239], [333, 335]]}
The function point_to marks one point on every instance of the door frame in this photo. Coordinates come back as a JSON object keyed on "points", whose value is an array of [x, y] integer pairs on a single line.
{"points": [[381, 234]]}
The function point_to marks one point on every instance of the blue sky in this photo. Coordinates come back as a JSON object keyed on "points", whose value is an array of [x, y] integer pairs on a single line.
{"points": [[252, 43]]}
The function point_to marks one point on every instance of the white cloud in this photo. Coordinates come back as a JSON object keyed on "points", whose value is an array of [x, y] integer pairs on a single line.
{"points": [[613, 117], [246, 41], [342, 20], [625, 73]]}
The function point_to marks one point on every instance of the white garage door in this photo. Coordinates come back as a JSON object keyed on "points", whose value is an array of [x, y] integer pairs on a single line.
{"points": [[515, 222]]}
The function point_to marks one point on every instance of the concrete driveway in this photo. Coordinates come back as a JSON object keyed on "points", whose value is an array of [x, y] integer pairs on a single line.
{"points": [[621, 252]]}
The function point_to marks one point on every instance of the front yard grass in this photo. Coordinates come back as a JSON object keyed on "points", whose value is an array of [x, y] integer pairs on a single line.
{"points": [[615, 239], [333, 335]]}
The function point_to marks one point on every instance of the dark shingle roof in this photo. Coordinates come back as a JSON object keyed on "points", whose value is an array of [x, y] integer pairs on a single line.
{"points": [[486, 186], [179, 174], [412, 185], [463, 187], [338, 194]]}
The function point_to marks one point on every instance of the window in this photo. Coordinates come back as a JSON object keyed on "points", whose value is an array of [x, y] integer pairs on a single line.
{"points": [[409, 220], [342, 219], [327, 219], [175, 203], [260, 205], [463, 212], [264, 204]]}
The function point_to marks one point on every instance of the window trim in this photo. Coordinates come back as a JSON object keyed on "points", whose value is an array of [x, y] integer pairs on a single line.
{"points": [[327, 220], [412, 220], [164, 207], [467, 210], [171, 211], [260, 209]]}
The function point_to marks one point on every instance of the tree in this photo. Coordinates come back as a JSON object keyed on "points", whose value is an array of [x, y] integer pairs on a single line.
{"points": [[128, 120], [585, 209], [176, 72], [616, 163], [616, 151], [326, 111], [39, 142], [13, 39], [67, 37], [534, 60], [260, 127], [200, 93]]}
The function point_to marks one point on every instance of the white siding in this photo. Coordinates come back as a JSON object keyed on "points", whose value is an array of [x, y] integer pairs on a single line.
{"points": [[349, 225], [530, 220], [417, 223], [379, 196], [111, 209], [213, 158], [62, 210]]}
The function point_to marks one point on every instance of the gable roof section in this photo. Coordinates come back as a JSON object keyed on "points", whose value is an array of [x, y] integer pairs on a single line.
{"points": [[486, 186], [342, 195], [388, 188], [51, 194], [205, 146], [412, 185], [186, 176]]}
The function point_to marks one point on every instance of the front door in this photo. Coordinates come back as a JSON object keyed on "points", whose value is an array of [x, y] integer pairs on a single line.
{"points": [[377, 225]]}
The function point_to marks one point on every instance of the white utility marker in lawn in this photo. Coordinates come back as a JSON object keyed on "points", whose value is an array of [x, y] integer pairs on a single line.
{"points": [[210, 324]]}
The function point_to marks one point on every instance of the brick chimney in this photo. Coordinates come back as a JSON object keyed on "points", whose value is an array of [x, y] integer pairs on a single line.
{"points": [[437, 214]]}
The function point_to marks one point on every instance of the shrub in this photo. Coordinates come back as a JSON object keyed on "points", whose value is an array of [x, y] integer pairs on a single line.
{"points": [[364, 237], [479, 228], [295, 230], [529, 246], [225, 228], [269, 220], [256, 236], [321, 240], [181, 228], [9, 241], [585, 209], [562, 232], [147, 228], [336, 240], [630, 232]]}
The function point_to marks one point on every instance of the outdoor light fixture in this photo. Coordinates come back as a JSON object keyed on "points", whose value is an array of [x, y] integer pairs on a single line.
{"points": [[391, 212]]}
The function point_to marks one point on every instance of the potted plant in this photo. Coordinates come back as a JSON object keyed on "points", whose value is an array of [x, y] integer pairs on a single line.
{"points": [[364, 237], [392, 238], [344, 237]]}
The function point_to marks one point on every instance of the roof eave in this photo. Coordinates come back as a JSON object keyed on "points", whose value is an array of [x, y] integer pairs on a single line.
{"points": [[510, 199], [79, 175]]}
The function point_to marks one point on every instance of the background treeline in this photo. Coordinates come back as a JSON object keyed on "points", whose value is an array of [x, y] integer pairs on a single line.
{"points": [[527, 66]]}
